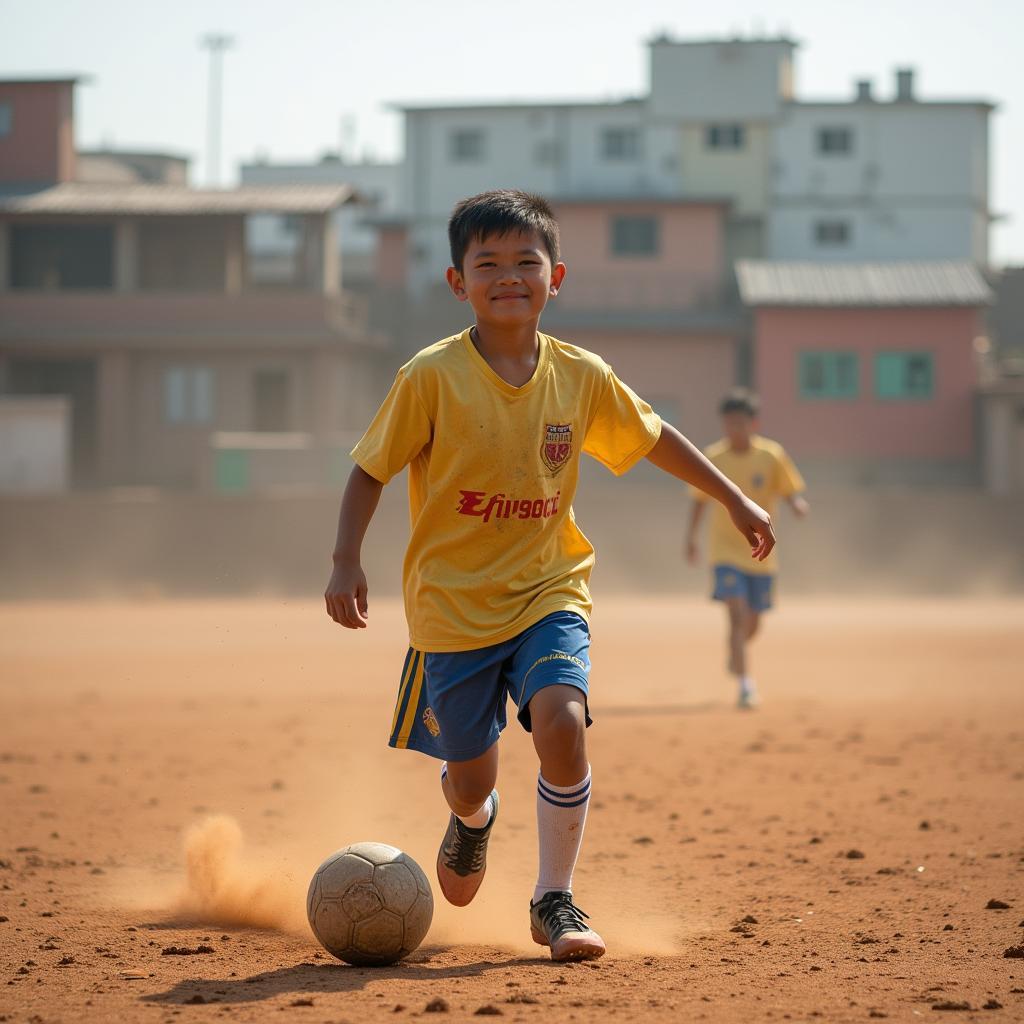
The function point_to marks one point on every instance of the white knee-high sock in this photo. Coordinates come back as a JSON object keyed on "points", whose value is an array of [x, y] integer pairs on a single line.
{"points": [[481, 816], [561, 815]]}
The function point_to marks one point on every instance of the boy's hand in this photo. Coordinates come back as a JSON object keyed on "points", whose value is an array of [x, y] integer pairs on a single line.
{"points": [[346, 596], [798, 503], [755, 524]]}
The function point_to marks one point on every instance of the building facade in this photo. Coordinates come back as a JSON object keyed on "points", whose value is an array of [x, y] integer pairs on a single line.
{"points": [[877, 178], [135, 304], [869, 372]]}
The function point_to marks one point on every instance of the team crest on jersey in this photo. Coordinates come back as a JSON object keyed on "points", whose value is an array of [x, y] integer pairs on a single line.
{"points": [[430, 721], [557, 446], [758, 480]]}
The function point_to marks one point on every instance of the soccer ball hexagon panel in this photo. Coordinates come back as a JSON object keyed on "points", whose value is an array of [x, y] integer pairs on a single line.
{"points": [[369, 904]]}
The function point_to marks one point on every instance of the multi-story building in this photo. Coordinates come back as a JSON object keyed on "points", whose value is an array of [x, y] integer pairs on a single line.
{"points": [[135, 303], [869, 178], [660, 196]]}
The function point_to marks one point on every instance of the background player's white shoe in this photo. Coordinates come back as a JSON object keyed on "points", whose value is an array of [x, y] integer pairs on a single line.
{"points": [[747, 698]]}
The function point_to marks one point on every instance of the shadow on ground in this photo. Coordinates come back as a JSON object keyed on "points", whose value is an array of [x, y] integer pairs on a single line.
{"points": [[307, 979]]}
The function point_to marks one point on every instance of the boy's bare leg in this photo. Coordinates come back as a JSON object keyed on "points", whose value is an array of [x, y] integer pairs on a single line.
{"points": [[468, 786], [558, 718], [743, 623], [753, 621], [738, 613]]}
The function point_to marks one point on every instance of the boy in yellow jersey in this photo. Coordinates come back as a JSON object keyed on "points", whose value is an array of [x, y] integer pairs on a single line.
{"points": [[761, 469], [491, 423]]}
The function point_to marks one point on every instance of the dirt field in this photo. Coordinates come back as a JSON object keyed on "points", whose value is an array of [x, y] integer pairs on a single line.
{"points": [[830, 856]]}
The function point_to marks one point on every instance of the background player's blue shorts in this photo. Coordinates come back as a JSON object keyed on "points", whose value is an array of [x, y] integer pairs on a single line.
{"points": [[451, 705], [754, 588]]}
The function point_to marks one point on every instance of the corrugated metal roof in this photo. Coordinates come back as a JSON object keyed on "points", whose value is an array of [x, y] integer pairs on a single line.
{"points": [[896, 283], [152, 200]]}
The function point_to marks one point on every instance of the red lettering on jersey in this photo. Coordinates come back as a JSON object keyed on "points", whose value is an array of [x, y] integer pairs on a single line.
{"points": [[497, 506], [469, 502]]}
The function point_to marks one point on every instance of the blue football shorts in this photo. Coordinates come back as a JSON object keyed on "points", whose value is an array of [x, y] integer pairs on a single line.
{"points": [[754, 588], [451, 704]]}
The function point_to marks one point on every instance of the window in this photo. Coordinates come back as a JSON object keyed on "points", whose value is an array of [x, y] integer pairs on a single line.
{"points": [[634, 236], [271, 400], [6, 119], [466, 145], [828, 375], [62, 256], [832, 232], [833, 141], [547, 151], [904, 375], [620, 144], [188, 394], [724, 136]]}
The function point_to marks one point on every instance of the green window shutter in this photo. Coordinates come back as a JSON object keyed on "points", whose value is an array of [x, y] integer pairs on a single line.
{"points": [[904, 375], [232, 470], [828, 375]]}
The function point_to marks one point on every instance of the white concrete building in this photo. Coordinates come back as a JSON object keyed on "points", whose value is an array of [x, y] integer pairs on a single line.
{"points": [[881, 180], [867, 179]]}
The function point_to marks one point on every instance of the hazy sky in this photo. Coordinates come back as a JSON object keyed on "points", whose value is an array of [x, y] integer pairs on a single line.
{"points": [[297, 68]]}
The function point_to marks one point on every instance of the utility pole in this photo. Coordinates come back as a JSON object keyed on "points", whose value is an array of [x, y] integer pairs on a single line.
{"points": [[216, 43]]}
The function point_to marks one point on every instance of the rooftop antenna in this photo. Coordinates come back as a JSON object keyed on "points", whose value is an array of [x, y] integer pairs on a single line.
{"points": [[216, 43]]}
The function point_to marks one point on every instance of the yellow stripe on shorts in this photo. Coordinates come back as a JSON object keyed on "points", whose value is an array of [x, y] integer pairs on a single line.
{"points": [[414, 700], [406, 675]]}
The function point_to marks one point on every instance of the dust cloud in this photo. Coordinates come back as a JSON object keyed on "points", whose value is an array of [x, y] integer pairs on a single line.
{"points": [[223, 888]]}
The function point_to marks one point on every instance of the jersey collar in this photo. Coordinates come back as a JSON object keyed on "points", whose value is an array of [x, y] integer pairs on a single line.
{"points": [[543, 358]]}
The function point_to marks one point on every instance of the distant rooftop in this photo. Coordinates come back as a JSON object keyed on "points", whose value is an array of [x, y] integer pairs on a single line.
{"points": [[903, 283], [663, 38], [146, 153], [514, 104], [45, 79], [150, 200]]}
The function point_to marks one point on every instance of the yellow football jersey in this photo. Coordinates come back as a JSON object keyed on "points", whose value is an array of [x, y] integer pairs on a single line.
{"points": [[494, 544], [764, 472]]}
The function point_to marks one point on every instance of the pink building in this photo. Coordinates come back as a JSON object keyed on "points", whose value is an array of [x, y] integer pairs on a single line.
{"points": [[869, 371]]}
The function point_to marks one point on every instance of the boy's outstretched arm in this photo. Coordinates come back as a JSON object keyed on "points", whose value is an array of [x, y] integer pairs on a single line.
{"points": [[346, 590], [675, 455]]}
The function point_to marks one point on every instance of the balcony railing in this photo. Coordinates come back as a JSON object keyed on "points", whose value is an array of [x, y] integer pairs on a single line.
{"points": [[115, 316]]}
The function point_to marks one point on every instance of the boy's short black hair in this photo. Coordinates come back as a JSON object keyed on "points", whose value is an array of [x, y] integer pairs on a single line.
{"points": [[740, 400], [499, 212]]}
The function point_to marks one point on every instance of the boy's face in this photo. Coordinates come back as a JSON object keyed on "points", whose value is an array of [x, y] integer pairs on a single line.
{"points": [[507, 279], [738, 428]]}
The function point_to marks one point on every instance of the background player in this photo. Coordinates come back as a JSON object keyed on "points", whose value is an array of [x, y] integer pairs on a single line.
{"points": [[761, 469]]}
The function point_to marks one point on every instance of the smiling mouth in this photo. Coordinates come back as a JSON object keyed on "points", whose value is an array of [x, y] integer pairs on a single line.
{"points": [[505, 298]]}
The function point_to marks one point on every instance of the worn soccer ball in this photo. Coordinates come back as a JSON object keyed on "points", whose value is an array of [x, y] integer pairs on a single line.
{"points": [[369, 904]]}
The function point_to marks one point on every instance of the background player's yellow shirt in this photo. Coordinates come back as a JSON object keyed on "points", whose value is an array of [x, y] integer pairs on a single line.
{"points": [[764, 472], [494, 544]]}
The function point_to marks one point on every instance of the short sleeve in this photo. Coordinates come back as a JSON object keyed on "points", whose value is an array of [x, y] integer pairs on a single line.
{"points": [[401, 428], [623, 427], [788, 480]]}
